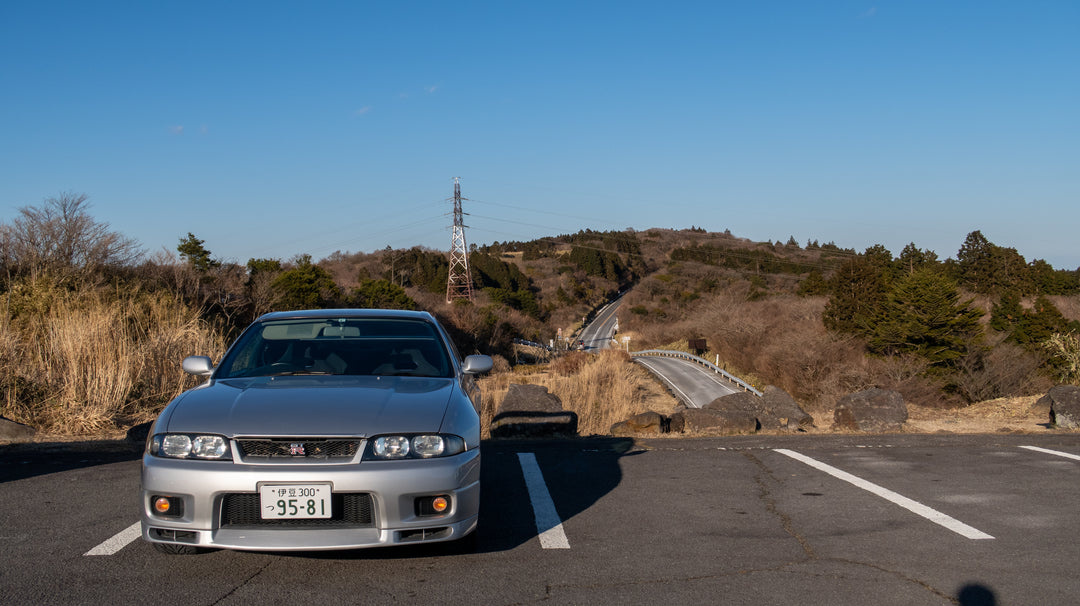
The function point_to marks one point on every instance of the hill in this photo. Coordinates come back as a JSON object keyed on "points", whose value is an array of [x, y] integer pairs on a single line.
{"points": [[94, 331]]}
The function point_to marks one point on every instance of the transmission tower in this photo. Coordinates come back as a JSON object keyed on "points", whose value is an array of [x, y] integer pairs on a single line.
{"points": [[459, 282]]}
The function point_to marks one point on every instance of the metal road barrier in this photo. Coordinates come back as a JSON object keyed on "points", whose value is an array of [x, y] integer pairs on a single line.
{"points": [[531, 344], [701, 361]]}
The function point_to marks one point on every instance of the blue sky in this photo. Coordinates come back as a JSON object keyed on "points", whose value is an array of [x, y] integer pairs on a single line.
{"points": [[275, 129]]}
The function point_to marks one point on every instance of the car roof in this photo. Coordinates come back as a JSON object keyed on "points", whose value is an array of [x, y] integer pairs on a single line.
{"points": [[316, 314]]}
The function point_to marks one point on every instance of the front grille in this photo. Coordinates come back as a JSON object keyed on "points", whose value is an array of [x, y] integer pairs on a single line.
{"points": [[350, 510], [299, 448]]}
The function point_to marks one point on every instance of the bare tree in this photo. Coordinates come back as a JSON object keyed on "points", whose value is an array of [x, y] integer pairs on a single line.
{"points": [[61, 239]]}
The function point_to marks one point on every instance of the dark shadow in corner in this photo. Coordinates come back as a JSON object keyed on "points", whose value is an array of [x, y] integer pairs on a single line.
{"points": [[22, 460], [976, 594]]}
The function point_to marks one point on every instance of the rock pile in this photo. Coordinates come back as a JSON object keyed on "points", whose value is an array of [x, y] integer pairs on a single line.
{"points": [[735, 414]]}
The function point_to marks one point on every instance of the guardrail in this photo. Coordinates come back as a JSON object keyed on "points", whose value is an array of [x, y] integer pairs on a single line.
{"points": [[701, 361], [531, 344]]}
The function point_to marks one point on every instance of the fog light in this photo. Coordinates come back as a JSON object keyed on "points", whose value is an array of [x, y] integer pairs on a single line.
{"points": [[172, 507], [432, 506]]}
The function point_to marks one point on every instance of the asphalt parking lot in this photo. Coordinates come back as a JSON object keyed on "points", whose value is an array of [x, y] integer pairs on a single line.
{"points": [[761, 520]]}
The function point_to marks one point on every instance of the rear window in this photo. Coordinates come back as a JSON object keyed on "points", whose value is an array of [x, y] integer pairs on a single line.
{"points": [[343, 346]]}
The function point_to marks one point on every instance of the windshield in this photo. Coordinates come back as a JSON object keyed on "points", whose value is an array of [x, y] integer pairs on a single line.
{"points": [[342, 346]]}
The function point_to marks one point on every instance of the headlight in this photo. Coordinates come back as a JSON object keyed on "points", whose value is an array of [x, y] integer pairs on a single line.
{"points": [[425, 446], [190, 446], [391, 447], [429, 446]]}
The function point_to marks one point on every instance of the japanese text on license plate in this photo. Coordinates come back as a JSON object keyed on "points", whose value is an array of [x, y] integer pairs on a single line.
{"points": [[294, 501]]}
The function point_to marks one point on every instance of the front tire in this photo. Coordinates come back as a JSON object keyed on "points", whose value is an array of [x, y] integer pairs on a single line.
{"points": [[176, 549]]}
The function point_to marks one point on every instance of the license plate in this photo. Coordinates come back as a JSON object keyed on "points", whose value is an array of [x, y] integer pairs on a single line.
{"points": [[294, 501]]}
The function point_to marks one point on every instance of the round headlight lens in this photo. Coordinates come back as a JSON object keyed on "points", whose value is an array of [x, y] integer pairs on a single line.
{"points": [[428, 446], [209, 447], [391, 447], [176, 445]]}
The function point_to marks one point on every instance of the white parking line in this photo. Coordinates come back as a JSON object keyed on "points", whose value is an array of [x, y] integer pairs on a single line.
{"points": [[548, 524], [118, 541], [913, 506], [1057, 453]]}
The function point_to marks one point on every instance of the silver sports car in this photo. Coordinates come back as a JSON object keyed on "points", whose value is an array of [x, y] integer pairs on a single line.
{"points": [[327, 429]]}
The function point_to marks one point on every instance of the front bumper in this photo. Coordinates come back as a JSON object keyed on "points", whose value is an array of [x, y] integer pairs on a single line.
{"points": [[392, 488]]}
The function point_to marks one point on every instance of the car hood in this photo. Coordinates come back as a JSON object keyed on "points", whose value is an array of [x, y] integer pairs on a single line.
{"points": [[312, 406]]}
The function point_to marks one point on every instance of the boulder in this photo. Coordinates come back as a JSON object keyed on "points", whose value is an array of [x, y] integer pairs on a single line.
{"points": [[1064, 404], [785, 410], [530, 411], [10, 430], [739, 401], [713, 422], [873, 410], [774, 409], [646, 423]]}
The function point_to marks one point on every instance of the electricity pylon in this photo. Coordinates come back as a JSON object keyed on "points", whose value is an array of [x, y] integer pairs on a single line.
{"points": [[458, 282]]}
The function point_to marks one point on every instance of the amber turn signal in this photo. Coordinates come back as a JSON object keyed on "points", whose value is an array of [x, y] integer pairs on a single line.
{"points": [[439, 504], [172, 507]]}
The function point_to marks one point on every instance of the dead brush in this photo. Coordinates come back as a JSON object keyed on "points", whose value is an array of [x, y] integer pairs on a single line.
{"points": [[605, 389], [91, 363]]}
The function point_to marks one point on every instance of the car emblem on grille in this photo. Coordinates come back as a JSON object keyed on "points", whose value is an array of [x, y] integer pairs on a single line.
{"points": [[296, 449]]}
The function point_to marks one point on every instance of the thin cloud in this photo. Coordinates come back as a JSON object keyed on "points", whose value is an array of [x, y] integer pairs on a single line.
{"points": [[176, 130], [869, 13], [362, 110], [431, 89]]}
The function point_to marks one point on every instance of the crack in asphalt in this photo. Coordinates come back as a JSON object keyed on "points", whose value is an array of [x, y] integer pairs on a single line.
{"points": [[245, 582], [551, 591], [770, 504], [789, 527], [651, 447]]}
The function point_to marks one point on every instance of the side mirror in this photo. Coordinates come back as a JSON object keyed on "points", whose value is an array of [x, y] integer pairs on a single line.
{"points": [[198, 365], [477, 365]]}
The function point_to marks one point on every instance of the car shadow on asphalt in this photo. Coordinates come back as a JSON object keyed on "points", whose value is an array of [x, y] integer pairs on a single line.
{"points": [[22, 460], [577, 474]]}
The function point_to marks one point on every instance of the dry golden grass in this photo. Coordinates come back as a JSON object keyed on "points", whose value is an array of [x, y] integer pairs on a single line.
{"points": [[1012, 415], [603, 390], [90, 364]]}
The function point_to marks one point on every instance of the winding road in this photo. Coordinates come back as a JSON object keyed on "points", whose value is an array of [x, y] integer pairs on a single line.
{"points": [[694, 384], [599, 333]]}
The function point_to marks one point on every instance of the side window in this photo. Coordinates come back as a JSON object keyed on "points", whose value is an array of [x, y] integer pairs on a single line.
{"points": [[243, 358], [453, 348]]}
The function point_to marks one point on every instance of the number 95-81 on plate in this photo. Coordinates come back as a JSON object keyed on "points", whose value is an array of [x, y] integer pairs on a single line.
{"points": [[294, 501]]}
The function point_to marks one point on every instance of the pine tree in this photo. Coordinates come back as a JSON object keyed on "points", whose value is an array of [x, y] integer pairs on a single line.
{"points": [[985, 267], [306, 286], [813, 285], [925, 316], [913, 258], [858, 292], [191, 249], [381, 294], [1007, 312]]}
